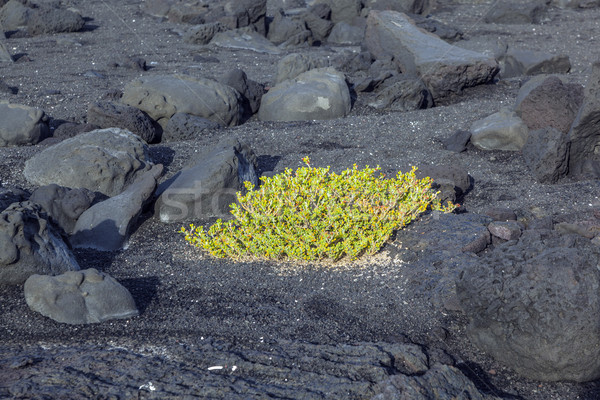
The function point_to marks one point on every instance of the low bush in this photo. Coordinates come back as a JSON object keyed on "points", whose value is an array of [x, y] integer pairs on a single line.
{"points": [[314, 214]]}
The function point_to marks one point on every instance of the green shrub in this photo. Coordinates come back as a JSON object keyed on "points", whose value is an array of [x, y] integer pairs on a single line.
{"points": [[314, 214]]}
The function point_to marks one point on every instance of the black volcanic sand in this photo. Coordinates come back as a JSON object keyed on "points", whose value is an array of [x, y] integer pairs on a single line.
{"points": [[197, 312]]}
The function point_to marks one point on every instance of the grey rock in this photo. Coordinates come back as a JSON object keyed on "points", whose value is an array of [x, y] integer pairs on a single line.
{"points": [[187, 13], [444, 68], [245, 40], [405, 6], [283, 27], [503, 130], [29, 244], [506, 230], [63, 205], [294, 64], [343, 10], [14, 15], [319, 26], [584, 136], [439, 382], [46, 20], [245, 13], [107, 114], [79, 297], [207, 188], [533, 304], [250, 90], [182, 126], [106, 226], [550, 104], [9, 195], [527, 62], [104, 160], [345, 34], [161, 96], [71, 129], [303, 38], [404, 95], [320, 93], [546, 154], [528, 12], [458, 141], [22, 125], [321, 10], [203, 33], [452, 180]]}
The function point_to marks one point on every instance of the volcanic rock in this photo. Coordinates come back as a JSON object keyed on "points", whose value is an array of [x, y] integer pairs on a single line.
{"points": [[79, 297]]}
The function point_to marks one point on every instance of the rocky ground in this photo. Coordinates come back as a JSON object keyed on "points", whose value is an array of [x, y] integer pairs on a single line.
{"points": [[220, 329]]}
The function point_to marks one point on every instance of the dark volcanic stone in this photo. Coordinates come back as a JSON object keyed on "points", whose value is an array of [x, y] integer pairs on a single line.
{"points": [[63, 205], [54, 20], [551, 104], [182, 126], [546, 153], [534, 305], [107, 114]]}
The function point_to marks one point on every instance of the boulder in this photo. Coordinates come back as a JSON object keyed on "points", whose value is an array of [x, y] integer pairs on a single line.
{"points": [[343, 33], [250, 90], [510, 12], [63, 205], [550, 104], [584, 136], [45, 20], [444, 68], [534, 305], [406, 94], [107, 225], [14, 15], [343, 10], [503, 130], [320, 93], [207, 188], [546, 154], [161, 96], [103, 160], [458, 141], [528, 62], [107, 114], [79, 297], [29, 244], [22, 125], [294, 64], [320, 27], [203, 33], [505, 230], [283, 27], [182, 126]]}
